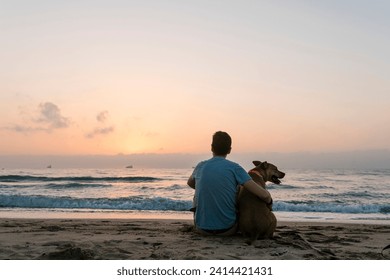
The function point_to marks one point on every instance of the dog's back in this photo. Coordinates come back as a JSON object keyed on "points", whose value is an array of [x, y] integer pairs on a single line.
{"points": [[256, 219]]}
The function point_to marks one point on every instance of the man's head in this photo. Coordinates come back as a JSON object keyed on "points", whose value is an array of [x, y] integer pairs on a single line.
{"points": [[222, 143]]}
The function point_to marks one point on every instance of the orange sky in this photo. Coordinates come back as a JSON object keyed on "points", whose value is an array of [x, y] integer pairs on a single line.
{"points": [[94, 78]]}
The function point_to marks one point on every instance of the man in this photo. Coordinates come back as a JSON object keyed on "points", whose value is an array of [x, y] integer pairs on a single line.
{"points": [[216, 182]]}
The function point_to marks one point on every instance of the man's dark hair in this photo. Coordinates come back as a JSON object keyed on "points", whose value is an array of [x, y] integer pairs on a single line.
{"points": [[222, 143]]}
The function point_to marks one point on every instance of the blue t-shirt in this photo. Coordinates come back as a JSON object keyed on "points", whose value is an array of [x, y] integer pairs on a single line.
{"points": [[216, 185]]}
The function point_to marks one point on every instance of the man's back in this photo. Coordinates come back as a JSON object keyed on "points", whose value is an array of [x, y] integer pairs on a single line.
{"points": [[216, 188]]}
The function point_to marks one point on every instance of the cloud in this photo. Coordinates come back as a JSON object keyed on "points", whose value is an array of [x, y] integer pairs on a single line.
{"points": [[23, 129], [101, 118], [51, 115], [49, 118], [100, 131]]}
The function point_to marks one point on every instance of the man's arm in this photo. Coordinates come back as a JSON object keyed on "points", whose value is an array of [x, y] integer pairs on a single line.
{"points": [[191, 182], [258, 191]]}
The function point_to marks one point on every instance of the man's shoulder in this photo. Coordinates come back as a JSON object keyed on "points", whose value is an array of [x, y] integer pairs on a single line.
{"points": [[232, 163], [201, 164], [219, 161]]}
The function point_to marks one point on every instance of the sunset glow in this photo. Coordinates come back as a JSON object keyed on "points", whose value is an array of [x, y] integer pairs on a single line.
{"points": [[85, 78]]}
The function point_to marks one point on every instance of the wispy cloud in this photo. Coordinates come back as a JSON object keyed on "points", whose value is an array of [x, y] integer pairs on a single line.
{"points": [[24, 128], [48, 119], [100, 131], [101, 118]]}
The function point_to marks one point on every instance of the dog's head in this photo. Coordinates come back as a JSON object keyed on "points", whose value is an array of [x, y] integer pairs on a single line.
{"points": [[269, 171]]}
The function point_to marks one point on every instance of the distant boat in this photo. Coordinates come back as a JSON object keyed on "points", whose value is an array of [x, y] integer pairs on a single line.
{"points": [[49, 166], [129, 166]]}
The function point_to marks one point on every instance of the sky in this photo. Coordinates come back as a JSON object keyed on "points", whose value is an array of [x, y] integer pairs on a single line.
{"points": [[160, 77]]}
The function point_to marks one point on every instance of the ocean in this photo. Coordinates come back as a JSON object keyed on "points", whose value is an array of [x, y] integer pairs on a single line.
{"points": [[354, 196]]}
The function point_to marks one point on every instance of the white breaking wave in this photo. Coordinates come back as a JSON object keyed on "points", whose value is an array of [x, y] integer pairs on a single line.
{"points": [[167, 204]]}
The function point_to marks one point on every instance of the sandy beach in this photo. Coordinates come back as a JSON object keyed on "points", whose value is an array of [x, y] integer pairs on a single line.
{"points": [[30, 239]]}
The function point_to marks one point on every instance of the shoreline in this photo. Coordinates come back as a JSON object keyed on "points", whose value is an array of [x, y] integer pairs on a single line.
{"points": [[289, 217], [174, 239]]}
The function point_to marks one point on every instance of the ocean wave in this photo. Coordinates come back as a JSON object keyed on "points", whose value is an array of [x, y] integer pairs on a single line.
{"points": [[74, 185], [124, 203], [282, 187], [169, 204], [355, 194], [313, 206], [295, 187], [27, 178], [175, 187]]}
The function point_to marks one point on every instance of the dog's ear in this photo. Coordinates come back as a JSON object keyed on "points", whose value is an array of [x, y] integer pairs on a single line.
{"points": [[264, 165], [256, 162]]}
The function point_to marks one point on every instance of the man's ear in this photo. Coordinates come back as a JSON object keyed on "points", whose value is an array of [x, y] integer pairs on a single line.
{"points": [[256, 162]]}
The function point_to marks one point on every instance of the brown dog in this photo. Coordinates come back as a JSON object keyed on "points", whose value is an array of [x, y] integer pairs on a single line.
{"points": [[256, 219]]}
